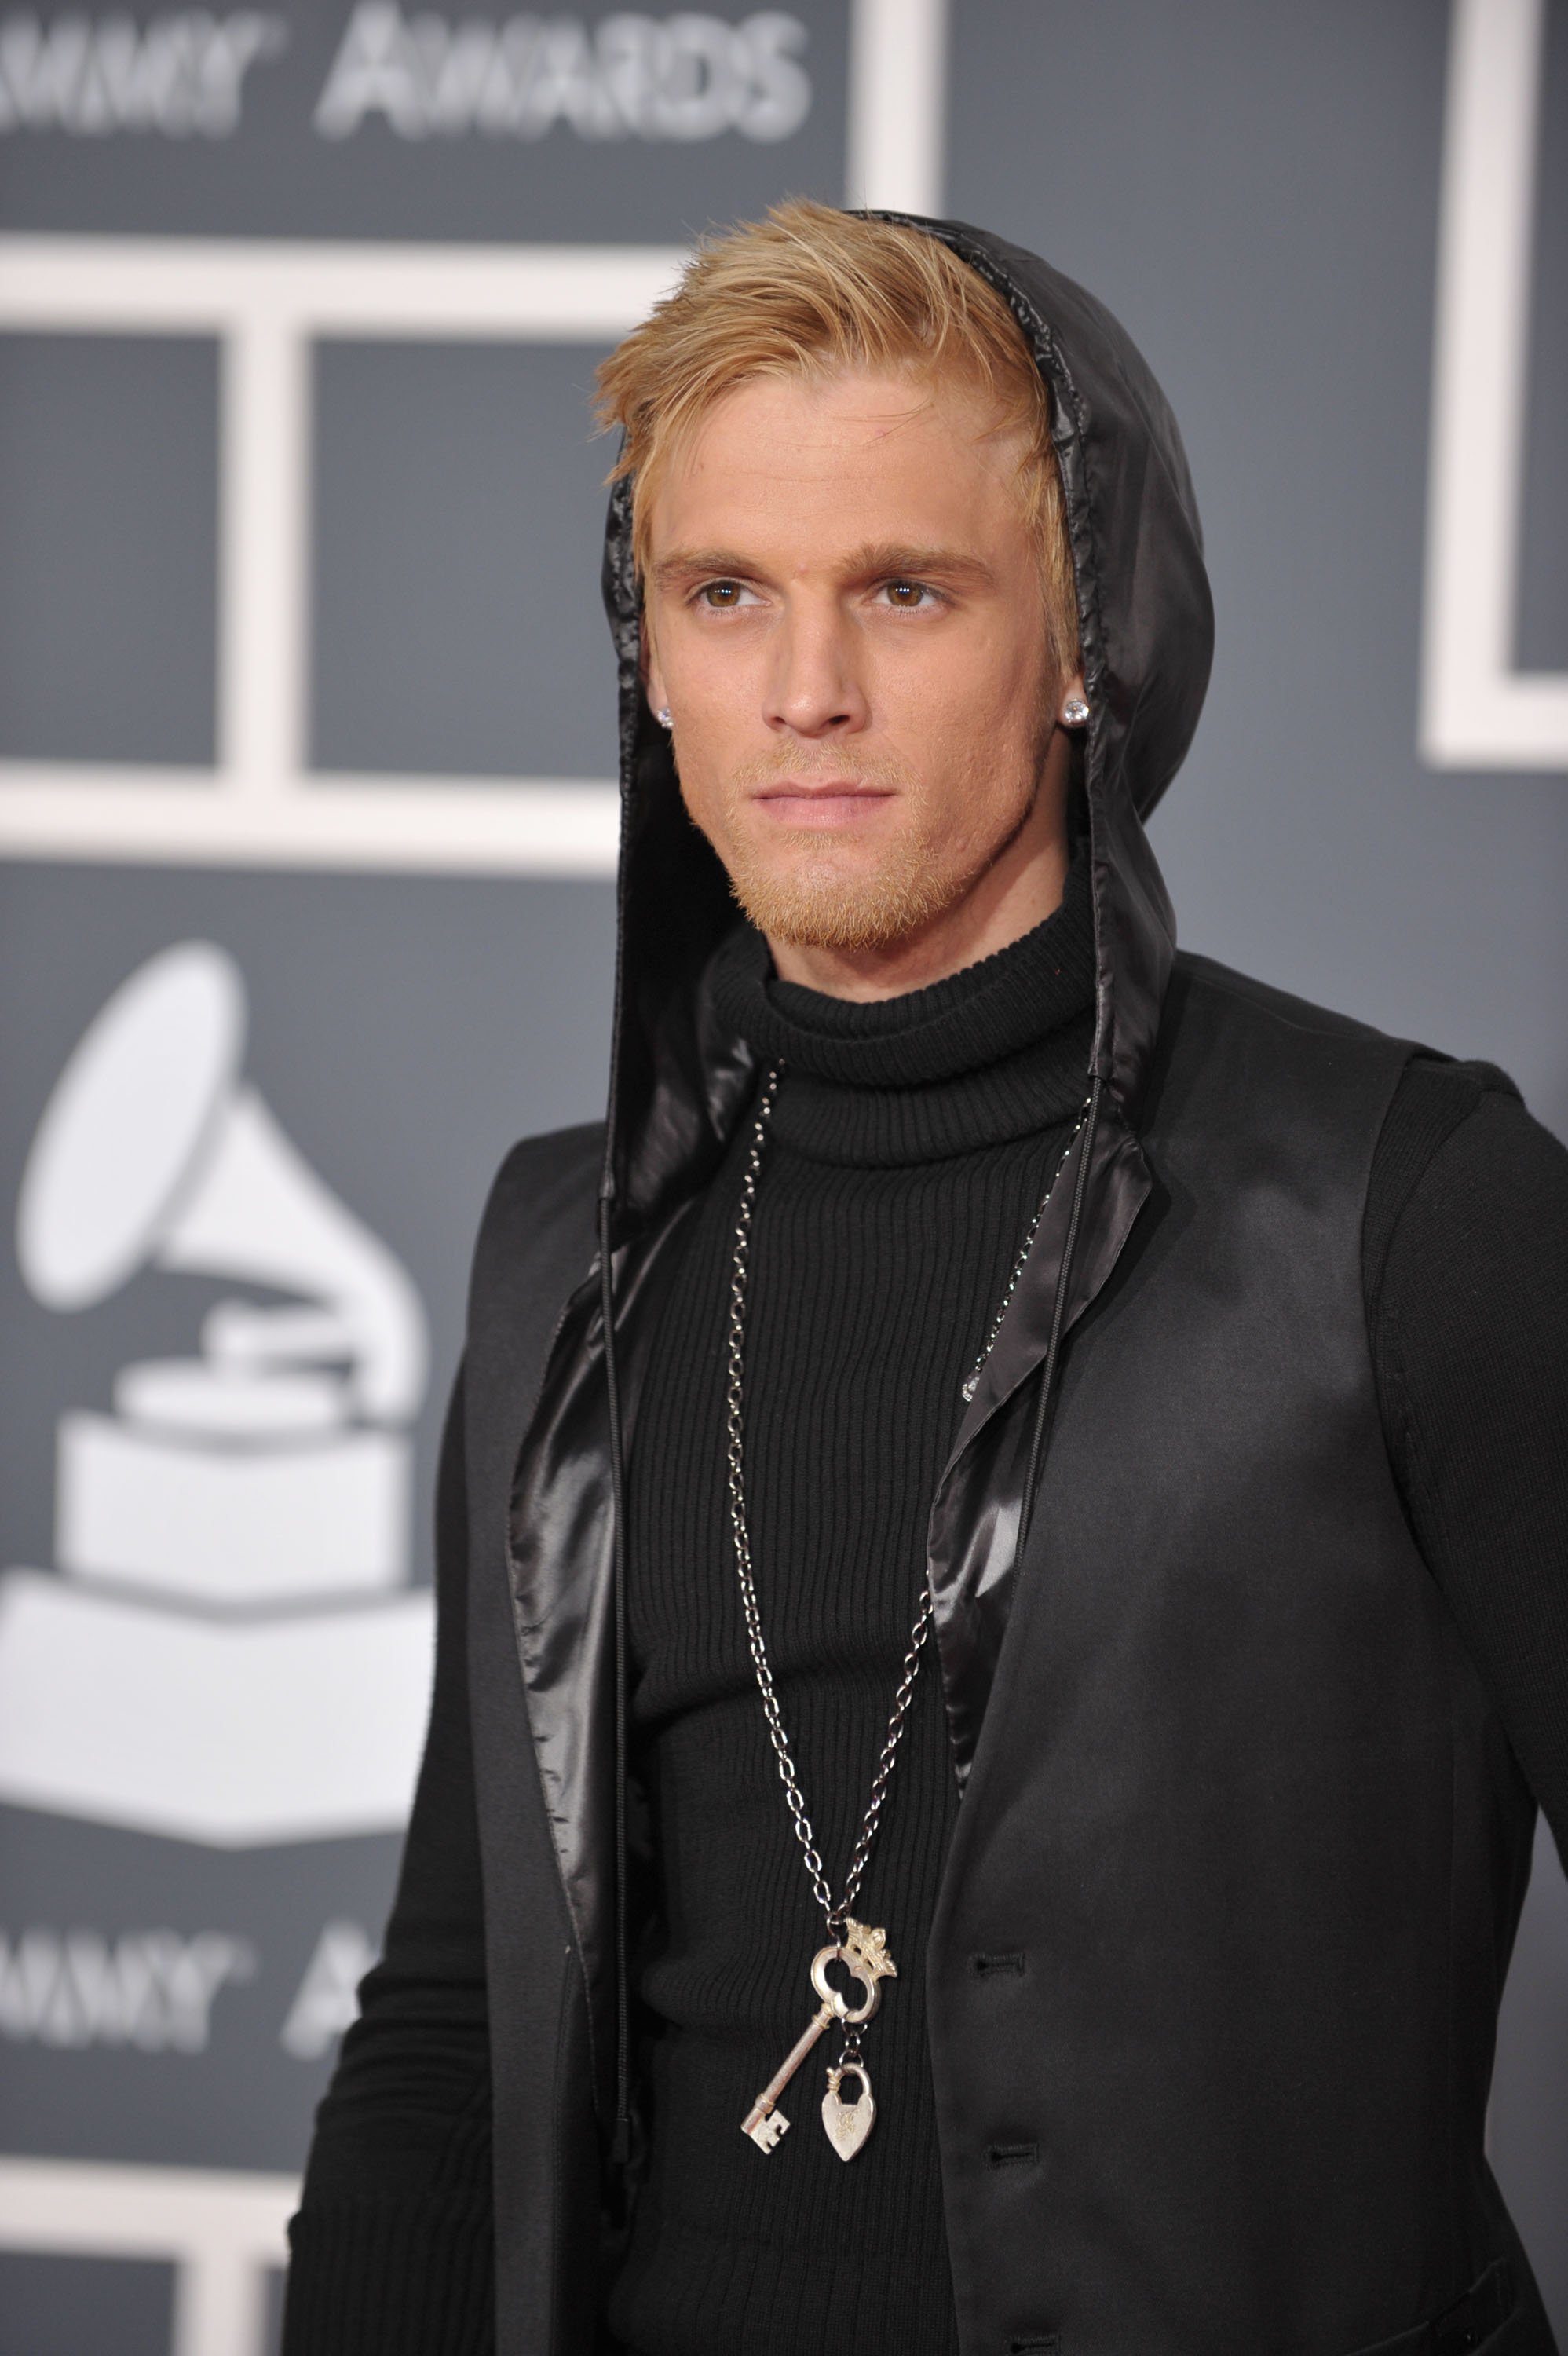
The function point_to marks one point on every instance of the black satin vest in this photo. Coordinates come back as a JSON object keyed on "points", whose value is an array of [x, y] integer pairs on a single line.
{"points": [[1214, 1977]]}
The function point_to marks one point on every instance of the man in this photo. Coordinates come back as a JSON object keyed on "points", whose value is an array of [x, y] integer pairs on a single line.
{"points": [[1002, 1567]]}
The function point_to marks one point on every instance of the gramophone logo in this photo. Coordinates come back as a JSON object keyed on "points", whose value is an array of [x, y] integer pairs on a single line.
{"points": [[227, 1651]]}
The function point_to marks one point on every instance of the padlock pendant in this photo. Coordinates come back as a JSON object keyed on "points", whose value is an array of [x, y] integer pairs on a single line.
{"points": [[847, 2125]]}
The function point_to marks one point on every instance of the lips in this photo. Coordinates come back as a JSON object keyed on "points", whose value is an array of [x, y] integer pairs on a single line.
{"points": [[833, 802]]}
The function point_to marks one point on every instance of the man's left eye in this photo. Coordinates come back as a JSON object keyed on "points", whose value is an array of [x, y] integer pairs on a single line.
{"points": [[909, 595]]}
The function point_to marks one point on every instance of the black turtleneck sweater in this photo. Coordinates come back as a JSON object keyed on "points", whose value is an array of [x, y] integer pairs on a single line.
{"points": [[911, 1145]]}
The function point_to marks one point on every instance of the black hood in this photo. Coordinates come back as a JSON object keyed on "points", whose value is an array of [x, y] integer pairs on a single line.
{"points": [[680, 1082], [1147, 634]]}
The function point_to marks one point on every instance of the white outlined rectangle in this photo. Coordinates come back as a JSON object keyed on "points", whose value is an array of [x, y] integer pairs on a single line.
{"points": [[266, 305], [221, 2231], [1477, 712]]}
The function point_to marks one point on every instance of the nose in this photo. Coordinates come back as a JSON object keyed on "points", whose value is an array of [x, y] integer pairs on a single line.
{"points": [[814, 689]]}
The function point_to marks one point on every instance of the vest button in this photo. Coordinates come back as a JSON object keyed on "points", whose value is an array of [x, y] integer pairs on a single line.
{"points": [[1008, 1965]]}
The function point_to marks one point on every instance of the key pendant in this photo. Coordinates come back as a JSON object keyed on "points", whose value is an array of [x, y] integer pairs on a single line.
{"points": [[764, 2121], [864, 1953], [849, 2123]]}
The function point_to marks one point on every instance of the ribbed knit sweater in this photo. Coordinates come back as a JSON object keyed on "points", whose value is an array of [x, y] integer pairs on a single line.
{"points": [[890, 1208], [909, 1148]]}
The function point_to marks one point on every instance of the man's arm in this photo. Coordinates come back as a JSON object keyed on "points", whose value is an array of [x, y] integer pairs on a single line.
{"points": [[1464, 1266], [392, 2246]]}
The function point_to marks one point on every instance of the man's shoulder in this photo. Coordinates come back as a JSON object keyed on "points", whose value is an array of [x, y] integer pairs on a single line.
{"points": [[1202, 983], [538, 1220], [560, 1165], [1241, 1060]]}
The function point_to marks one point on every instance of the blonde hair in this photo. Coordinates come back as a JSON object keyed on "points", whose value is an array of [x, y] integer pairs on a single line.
{"points": [[810, 291]]}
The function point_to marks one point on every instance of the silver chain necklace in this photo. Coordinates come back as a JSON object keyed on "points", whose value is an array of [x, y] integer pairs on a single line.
{"points": [[863, 1952], [971, 1383]]}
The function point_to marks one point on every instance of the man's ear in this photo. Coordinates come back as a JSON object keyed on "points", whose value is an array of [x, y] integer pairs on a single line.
{"points": [[653, 676]]}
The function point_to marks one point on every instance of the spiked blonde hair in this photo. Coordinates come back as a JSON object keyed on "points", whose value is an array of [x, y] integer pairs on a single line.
{"points": [[811, 291]]}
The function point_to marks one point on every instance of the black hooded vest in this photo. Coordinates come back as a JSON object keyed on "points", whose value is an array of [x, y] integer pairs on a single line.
{"points": [[1214, 1972], [1213, 1977]]}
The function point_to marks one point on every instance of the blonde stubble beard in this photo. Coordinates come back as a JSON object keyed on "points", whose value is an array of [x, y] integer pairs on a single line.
{"points": [[810, 901]]}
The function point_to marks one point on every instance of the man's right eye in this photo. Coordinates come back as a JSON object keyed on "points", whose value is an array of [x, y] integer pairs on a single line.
{"points": [[721, 596]]}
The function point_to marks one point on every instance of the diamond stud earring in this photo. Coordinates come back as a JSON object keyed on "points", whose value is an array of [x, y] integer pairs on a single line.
{"points": [[662, 716], [1074, 711]]}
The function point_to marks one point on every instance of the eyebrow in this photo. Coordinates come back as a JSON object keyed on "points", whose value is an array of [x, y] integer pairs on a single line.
{"points": [[705, 563], [881, 560], [877, 561]]}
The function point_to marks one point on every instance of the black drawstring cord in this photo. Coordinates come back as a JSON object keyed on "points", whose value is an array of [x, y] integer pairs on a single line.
{"points": [[621, 2143], [1059, 1310]]}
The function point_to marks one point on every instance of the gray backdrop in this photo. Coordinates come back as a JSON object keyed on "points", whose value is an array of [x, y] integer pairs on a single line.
{"points": [[1255, 190]]}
